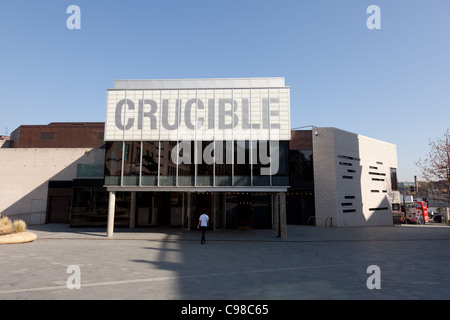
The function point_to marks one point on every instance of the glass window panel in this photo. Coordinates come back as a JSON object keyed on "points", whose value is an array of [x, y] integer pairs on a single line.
{"points": [[167, 167], [113, 162], [242, 166], [89, 207], [205, 169], [300, 167], [261, 163], [223, 162], [186, 166], [281, 177], [394, 184], [122, 212], [150, 151], [132, 163]]}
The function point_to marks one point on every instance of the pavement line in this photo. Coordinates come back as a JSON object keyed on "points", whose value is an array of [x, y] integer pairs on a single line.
{"points": [[51, 236], [168, 278]]}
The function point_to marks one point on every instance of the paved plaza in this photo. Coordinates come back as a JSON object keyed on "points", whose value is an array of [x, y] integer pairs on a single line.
{"points": [[171, 264]]}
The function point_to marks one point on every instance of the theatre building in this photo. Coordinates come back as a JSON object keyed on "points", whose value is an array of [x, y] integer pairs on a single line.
{"points": [[170, 150], [178, 148]]}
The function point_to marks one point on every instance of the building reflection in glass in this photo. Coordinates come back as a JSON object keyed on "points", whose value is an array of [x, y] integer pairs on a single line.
{"points": [[196, 163]]}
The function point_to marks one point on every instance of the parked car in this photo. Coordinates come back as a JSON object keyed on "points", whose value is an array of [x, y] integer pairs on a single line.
{"points": [[437, 218]]}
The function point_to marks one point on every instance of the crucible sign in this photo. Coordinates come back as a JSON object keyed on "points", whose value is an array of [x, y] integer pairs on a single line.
{"points": [[198, 114]]}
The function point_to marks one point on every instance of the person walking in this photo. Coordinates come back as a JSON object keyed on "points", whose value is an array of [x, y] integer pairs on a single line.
{"points": [[203, 223]]}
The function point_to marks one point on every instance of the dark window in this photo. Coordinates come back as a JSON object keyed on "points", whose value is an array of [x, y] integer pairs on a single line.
{"points": [[377, 173], [113, 162], [47, 136], [223, 162], [132, 163], [349, 157], [150, 163], [242, 165], [186, 163], [167, 167], [394, 184], [300, 168], [281, 177], [88, 205], [205, 167], [261, 163]]}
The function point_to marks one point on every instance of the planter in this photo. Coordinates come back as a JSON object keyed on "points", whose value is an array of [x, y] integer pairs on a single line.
{"points": [[19, 237]]}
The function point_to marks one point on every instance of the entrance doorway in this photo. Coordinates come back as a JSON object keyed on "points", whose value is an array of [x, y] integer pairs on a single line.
{"points": [[59, 208], [159, 209], [247, 210], [211, 203], [230, 210], [203, 203]]}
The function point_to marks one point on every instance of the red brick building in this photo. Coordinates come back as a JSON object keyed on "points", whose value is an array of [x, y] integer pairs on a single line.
{"points": [[59, 135]]}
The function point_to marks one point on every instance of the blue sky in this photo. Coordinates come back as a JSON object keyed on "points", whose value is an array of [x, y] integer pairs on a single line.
{"points": [[390, 84]]}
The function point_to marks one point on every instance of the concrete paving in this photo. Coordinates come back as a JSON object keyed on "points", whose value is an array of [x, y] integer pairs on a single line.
{"points": [[312, 263]]}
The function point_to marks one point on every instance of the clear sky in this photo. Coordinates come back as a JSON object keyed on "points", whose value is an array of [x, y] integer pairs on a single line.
{"points": [[390, 84]]}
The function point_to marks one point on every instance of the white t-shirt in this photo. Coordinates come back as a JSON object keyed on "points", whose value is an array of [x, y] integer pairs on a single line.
{"points": [[204, 220]]}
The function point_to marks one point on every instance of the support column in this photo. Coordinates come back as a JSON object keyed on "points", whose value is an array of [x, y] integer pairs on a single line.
{"points": [[224, 213], [275, 211], [133, 210], [283, 224], [189, 210], [214, 209], [111, 208]]}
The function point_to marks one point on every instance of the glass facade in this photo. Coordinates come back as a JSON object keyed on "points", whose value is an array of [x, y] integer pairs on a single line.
{"points": [[90, 207], [193, 164], [300, 208], [201, 163], [238, 164]]}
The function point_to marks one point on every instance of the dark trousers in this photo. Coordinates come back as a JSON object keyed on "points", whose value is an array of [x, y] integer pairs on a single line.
{"points": [[203, 234]]}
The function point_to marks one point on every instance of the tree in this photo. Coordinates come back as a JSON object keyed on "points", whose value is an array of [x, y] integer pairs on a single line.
{"points": [[435, 167]]}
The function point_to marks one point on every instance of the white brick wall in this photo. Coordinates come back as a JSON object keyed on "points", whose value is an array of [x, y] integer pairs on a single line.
{"points": [[352, 178]]}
